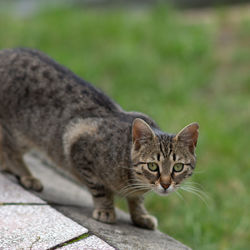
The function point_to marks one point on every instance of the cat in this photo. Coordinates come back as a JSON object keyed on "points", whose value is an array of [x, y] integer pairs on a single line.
{"points": [[44, 105]]}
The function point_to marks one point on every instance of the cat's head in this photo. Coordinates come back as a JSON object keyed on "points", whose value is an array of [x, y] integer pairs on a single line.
{"points": [[161, 161]]}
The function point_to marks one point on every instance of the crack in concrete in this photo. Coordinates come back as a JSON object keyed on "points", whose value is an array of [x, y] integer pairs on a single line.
{"points": [[34, 242], [23, 204], [37, 204], [71, 241]]}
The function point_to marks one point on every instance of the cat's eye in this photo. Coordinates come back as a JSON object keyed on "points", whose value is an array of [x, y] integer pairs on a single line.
{"points": [[153, 166], [178, 167]]}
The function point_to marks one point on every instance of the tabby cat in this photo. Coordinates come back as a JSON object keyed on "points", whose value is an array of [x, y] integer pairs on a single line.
{"points": [[45, 106]]}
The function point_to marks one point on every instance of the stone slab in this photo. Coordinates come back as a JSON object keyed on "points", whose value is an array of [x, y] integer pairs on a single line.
{"points": [[90, 243], [29, 226], [22, 226], [10, 192]]}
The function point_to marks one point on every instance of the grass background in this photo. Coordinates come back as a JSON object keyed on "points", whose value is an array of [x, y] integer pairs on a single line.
{"points": [[178, 67]]}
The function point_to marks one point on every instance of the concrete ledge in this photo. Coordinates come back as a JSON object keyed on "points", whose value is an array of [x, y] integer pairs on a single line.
{"points": [[74, 202]]}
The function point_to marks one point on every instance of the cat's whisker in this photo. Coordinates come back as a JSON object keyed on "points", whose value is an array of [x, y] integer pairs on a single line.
{"points": [[193, 183], [128, 188], [126, 192], [137, 183], [195, 192], [179, 195], [134, 187], [201, 192], [137, 190]]}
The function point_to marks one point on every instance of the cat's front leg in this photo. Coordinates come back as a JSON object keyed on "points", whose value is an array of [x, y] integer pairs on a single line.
{"points": [[104, 205], [139, 214]]}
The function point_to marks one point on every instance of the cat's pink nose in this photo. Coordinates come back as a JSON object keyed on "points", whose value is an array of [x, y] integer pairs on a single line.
{"points": [[165, 185]]}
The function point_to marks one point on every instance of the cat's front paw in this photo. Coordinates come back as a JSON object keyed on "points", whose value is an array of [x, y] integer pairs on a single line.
{"points": [[104, 215], [29, 182], [145, 221]]}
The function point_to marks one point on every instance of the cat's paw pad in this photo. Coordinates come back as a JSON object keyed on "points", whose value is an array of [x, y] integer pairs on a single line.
{"points": [[146, 221], [29, 182], [104, 215], [3, 168]]}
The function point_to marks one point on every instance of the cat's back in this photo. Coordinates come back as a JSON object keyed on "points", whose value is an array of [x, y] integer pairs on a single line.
{"points": [[29, 78]]}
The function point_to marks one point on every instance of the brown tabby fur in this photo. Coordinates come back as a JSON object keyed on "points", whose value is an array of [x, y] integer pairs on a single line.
{"points": [[43, 105]]}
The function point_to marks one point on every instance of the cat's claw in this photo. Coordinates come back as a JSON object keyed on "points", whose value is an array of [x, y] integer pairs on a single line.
{"points": [[29, 182], [104, 215], [145, 221]]}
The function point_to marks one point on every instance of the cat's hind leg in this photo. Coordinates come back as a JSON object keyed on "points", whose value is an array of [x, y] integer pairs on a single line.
{"points": [[11, 160]]}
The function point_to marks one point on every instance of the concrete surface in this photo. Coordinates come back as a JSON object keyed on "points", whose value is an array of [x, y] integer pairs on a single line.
{"points": [[25, 226], [39, 226], [28, 222], [13, 193], [90, 243]]}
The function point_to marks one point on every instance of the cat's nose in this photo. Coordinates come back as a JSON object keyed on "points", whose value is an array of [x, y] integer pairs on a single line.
{"points": [[165, 185]]}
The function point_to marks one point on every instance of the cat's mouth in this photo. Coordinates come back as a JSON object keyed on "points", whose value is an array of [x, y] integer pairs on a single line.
{"points": [[163, 191]]}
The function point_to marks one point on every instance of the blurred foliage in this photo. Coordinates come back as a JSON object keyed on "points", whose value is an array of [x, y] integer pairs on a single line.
{"points": [[177, 70]]}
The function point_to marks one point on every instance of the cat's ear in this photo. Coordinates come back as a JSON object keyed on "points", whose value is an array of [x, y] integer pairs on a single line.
{"points": [[189, 136], [141, 132]]}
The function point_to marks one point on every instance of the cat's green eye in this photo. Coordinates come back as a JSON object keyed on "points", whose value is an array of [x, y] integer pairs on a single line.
{"points": [[153, 166], [178, 167]]}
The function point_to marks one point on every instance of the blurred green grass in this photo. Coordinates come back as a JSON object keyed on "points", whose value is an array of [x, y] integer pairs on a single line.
{"points": [[158, 62]]}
